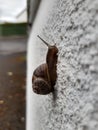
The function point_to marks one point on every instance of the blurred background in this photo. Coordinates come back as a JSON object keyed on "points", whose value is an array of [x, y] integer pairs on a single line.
{"points": [[13, 48]]}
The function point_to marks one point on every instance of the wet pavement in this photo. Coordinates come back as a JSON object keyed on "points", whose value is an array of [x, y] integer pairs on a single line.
{"points": [[12, 83]]}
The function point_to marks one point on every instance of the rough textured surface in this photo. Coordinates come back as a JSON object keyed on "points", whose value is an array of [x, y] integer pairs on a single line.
{"points": [[73, 26]]}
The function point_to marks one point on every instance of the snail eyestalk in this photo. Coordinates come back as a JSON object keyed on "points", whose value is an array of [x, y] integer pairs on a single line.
{"points": [[43, 41]]}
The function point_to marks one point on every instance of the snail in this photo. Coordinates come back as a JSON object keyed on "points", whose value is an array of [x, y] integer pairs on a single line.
{"points": [[45, 75]]}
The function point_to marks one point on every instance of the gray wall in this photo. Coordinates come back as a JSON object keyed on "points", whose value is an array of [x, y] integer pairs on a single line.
{"points": [[32, 7], [73, 26]]}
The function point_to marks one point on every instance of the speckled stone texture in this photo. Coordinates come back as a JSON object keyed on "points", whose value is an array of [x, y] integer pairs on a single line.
{"points": [[73, 26]]}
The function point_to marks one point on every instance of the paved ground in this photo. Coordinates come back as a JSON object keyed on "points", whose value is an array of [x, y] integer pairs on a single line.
{"points": [[12, 83]]}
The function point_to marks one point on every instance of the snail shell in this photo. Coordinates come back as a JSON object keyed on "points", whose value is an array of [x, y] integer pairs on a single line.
{"points": [[41, 80]]}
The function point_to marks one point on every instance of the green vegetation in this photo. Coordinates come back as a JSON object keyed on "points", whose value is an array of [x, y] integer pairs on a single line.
{"points": [[13, 29]]}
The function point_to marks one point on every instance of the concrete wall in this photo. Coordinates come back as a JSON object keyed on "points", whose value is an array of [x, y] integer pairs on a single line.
{"points": [[32, 8], [73, 26]]}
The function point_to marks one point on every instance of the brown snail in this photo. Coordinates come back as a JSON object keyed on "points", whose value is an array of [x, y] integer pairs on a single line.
{"points": [[45, 75]]}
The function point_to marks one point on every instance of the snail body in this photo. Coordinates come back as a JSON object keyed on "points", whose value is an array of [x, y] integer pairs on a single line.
{"points": [[45, 75]]}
